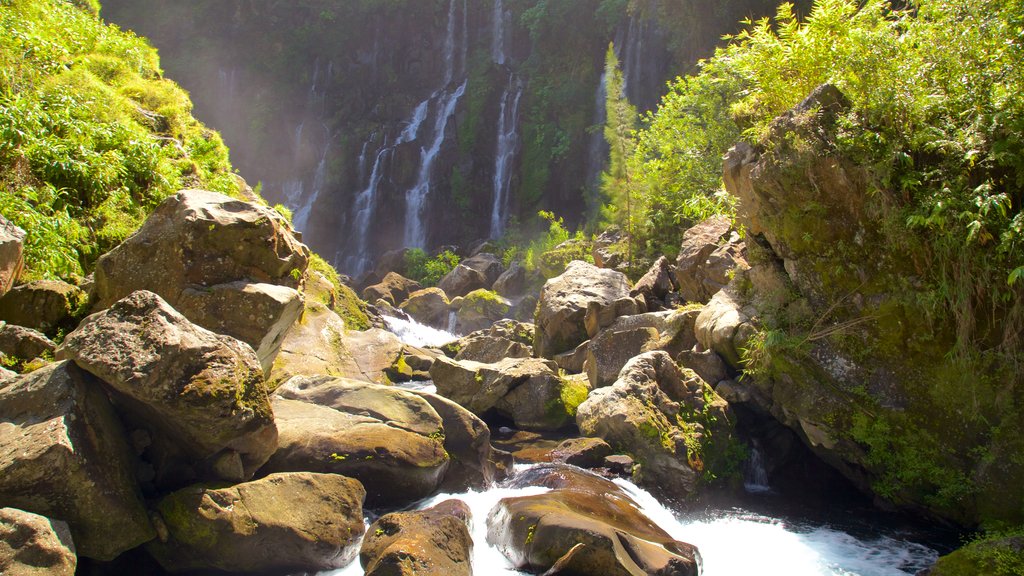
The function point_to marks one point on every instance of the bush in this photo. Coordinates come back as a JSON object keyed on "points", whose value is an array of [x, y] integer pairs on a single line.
{"points": [[429, 271]]}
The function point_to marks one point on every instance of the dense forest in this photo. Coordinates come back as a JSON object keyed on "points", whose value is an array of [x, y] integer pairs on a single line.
{"points": [[864, 161]]}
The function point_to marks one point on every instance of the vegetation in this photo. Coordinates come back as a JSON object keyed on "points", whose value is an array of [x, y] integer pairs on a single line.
{"points": [[92, 137], [426, 270]]}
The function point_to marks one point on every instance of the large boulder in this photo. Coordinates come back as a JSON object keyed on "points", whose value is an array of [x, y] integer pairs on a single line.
{"points": [[43, 305], [12, 259], [724, 325], [284, 523], [584, 525], [529, 391], [258, 314], [629, 336], [699, 242], [480, 309], [609, 248], [512, 282], [390, 439], [462, 280], [429, 307], [487, 264], [654, 285], [668, 418], [33, 545], [393, 289], [19, 344], [63, 455], [504, 339], [200, 395], [431, 542], [566, 301]]}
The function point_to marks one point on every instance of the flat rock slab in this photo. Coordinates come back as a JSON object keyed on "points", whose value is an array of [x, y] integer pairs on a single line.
{"points": [[63, 455]]}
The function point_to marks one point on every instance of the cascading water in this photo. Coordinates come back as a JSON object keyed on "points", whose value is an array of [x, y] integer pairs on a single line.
{"points": [[301, 216], [508, 123], [755, 476]]}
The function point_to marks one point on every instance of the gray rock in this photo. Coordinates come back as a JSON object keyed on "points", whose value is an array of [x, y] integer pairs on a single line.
{"points": [[23, 344], [394, 289], [487, 264], [33, 545], [567, 300], [504, 339], [43, 305], [611, 349], [12, 259], [512, 282], [429, 306], [654, 285], [462, 280], [582, 452], [699, 242]]}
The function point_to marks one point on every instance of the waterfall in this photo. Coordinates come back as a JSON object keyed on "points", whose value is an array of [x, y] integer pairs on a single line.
{"points": [[300, 219], [500, 39], [508, 145], [597, 150], [755, 477]]}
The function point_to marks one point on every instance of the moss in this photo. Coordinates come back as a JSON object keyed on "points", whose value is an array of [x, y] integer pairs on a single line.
{"points": [[572, 394], [180, 512], [998, 555]]}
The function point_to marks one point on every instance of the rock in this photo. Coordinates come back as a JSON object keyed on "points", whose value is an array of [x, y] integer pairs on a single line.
{"points": [[573, 361], [6, 374], [599, 317], [394, 289], [462, 280], [554, 262], [429, 306], [582, 452], [391, 261], [723, 326], [373, 351], [198, 393], [43, 305], [473, 463], [389, 439], [504, 339], [32, 545], [512, 282], [63, 455], [565, 301], [655, 284], [525, 310], [12, 259], [584, 525], [607, 251], [315, 345], [479, 310], [258, 314], [993, 555], [698, 244], [23, 344], [620, 464], [431, 542], [199, 238], [284, 523], [662, 416], [527, 390], [611, 349], [487, 264], [707, 364]]}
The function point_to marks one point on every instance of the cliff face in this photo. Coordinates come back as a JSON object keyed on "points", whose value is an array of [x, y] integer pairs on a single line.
{"points": [[847, 353], [383, 124]]}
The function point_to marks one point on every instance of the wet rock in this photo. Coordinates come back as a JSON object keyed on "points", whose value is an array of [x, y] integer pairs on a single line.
{"points": [[620, 464], [527, 390], [479, 310], [667, 418], [199, 238], [566, 301], [429, 307], [258, 314], [393, 289], [389, 439], [33, 545], [198, 393], [431, 542], [63, 455], [504, 339], [12, 259], [584, 525], [582, 452], [462, 280], [283, 523], [43, 305]]}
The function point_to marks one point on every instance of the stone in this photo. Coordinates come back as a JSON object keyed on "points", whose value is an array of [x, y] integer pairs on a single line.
{"points": [[431, 542], [33, 545], [512, 282], [12, 259], [283, 523], [315, 345], [63, 455], [394, 289], [198, 393], [707, 364], [23, 344], [504, 339], [607, 251], [462, 280], [582, 452], [200, 238], [599, 317], [574, 360], [584, 525], [258, 314], [655, 284], [620, 464], [487, 264], [699, 242], [565, 301], [43, 305], [611, 349], [479, 310], [718, 326], [391, 261], [6, 374], [429, 306], [389, 439], [529, 391], [667, 418]]}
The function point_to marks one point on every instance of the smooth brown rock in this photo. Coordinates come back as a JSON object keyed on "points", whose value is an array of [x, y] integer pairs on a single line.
{"points": [[429, 306], [462, 280], [63, 455], [33, 545], [393, 289], [431, 542], [198, 393], [565, 301], [284, 523], [582, 452]]}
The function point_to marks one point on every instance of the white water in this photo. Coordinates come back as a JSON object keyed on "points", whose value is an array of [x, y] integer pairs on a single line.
{"points": [[301, 217], [508, 145], [755, 477], [731, 542], [413, 333]]}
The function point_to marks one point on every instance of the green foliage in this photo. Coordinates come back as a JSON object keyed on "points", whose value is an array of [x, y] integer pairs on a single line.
{"points": [[993, 554], [616, 182], [91, 136], [550, 252], [426, 270]]}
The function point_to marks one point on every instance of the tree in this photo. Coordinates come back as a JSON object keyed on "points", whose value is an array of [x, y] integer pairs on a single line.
{"points": [[616, 183]]}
